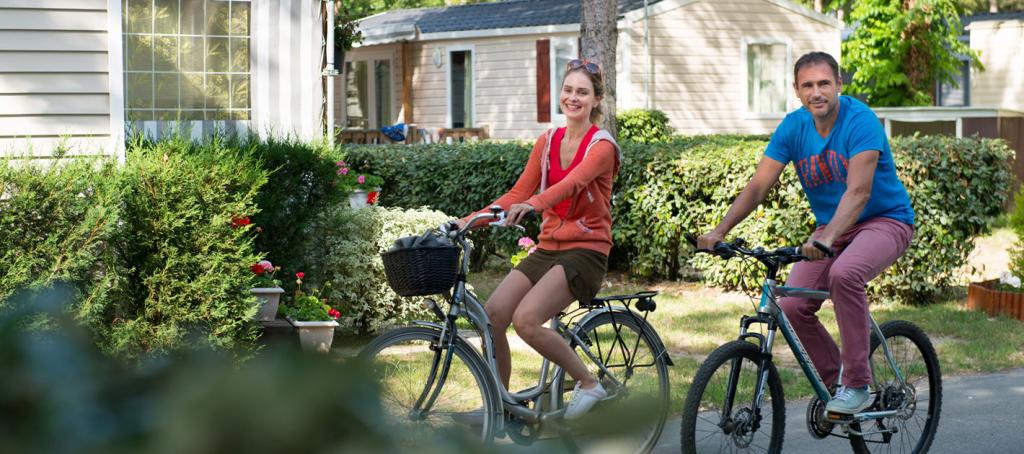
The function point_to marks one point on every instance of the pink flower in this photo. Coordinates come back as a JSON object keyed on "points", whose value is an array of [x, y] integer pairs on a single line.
{"points": [[343, 171], [333, 313], [341, 164], [300, 275], [525, 242], [267, 266], [532, 249], [361, 179]]}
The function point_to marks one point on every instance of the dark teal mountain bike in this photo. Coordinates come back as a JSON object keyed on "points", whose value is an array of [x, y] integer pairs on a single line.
{"points": [[736, 402]]}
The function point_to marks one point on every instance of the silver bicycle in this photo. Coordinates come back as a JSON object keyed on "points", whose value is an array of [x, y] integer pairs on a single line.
{"points": [[441, 376]]}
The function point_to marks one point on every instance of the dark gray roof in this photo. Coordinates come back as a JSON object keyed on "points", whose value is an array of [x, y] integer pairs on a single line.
{"points": [[1010, 15], [485, 16]]}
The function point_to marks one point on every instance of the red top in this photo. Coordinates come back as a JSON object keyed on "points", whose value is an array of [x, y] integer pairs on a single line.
{"points": [[556, 173]]}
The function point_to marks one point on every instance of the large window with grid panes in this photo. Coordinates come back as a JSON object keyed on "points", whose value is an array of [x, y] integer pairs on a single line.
{"points": [[186, 59]]}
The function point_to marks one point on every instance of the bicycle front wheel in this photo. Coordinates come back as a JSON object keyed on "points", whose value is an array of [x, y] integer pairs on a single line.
{"points": [[632, 417], [410, 369], [917, 400], [719, 417]]}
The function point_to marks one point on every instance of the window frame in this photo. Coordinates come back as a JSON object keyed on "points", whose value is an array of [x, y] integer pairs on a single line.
{"points": [[556, 79], [745, 44], [448, 50], [156, 113]]}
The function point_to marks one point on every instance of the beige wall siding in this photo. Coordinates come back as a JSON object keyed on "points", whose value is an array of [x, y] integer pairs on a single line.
{"points": [[697, 54], [1001, 84], [54, 77]]}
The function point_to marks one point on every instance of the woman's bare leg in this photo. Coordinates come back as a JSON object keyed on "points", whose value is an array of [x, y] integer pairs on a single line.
{"points": [[545, 300], [500, 307]]}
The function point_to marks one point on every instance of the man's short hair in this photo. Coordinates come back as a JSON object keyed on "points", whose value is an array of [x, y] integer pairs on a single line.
{"points": [[812, 58]]}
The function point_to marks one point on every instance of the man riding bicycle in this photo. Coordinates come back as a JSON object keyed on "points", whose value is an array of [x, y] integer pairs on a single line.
{"points": [[840, 152]]}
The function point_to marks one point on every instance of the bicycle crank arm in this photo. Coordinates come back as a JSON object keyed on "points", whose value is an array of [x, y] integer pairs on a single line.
{"points": [[859, 417]]}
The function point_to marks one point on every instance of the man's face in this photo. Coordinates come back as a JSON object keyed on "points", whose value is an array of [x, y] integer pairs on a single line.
{"points": [[818, 89]]}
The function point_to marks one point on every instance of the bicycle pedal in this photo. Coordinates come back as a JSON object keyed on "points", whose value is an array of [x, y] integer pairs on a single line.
{"points": [[839, 418]]}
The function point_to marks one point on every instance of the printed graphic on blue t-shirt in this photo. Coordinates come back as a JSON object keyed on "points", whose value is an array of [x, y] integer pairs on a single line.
{"points": [[821, 163]]}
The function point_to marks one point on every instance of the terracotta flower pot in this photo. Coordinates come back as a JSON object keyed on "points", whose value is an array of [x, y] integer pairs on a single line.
{"points": [[985, 297], [269, 298], [315, 336]]}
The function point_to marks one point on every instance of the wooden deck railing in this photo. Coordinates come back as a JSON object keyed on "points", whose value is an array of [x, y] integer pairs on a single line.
{"points": [[415, 135]]}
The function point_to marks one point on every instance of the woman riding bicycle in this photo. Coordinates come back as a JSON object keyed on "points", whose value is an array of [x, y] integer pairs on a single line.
{"points": [[573, 168]]}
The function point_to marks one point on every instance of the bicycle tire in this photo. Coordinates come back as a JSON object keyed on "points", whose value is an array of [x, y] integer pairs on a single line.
{"points": [[913, 337], [628, 418], [482, 409], [696, 439]]}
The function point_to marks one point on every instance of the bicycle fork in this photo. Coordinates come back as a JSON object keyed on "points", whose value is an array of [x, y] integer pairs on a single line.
{"points": [[435, 381]]}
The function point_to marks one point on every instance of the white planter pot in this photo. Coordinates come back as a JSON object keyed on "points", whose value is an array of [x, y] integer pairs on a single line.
{"points": [[315, 336], [269, 298], [357, 199]]}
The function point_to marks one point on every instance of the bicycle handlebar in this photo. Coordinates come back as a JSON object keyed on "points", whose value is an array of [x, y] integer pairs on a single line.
{"points": [[496, 214], [728, 250]]}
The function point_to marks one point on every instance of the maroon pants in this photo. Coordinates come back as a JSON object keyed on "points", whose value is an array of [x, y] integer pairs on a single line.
{"points": [[862, 253]]}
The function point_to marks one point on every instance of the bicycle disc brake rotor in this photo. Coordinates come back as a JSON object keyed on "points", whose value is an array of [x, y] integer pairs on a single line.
{"points": [[743, 429], [901, 398]]}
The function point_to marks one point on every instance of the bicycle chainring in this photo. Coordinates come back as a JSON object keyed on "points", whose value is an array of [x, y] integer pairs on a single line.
{"points": [[817, 423]]}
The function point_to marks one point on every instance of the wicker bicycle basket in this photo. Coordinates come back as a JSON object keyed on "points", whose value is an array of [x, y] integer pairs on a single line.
{"points": [[420, 271]]}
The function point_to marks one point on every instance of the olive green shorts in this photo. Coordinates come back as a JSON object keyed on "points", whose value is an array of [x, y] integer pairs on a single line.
{"points": [[584, 269]]}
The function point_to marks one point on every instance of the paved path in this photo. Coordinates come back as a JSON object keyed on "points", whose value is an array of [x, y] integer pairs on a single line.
{"points": [[980, 414]]}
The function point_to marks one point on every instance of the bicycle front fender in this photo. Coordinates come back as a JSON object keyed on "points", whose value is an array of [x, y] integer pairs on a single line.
{"points": [[650, 332]]}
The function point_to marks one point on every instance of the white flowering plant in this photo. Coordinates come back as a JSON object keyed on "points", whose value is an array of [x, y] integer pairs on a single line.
{"points": [[1008, 281]]}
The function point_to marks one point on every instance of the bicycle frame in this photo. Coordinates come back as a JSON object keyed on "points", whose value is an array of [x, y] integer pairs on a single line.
{"points": [[768, 312], [463, 302]]}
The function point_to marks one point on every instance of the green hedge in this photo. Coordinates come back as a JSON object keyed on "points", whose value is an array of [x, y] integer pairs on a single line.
{"points": [[344, 248], [687, 184]]}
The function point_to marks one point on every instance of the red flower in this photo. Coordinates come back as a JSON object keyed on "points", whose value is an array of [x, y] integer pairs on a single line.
{"points": [[300, 275], [371, 198], [333, 313], [237, 221], [257, 268]]}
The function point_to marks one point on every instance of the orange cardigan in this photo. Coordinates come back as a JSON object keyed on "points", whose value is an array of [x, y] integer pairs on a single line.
{"points": [[589, 222]]}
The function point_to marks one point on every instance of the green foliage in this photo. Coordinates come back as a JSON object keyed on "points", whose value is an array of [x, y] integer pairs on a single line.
{"points": [[1017, 224], [898, 54], [59, 393], [302, 182], [344, 249], [644, 126], [54, 222], [454, 179], [687, 185], [955, 186], [182, 267], [309, 307]]}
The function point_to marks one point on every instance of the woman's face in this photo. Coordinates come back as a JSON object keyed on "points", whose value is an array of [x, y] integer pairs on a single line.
{"points": [[577, 97]]}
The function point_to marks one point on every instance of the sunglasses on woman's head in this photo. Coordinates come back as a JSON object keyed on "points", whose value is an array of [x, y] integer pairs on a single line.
{"points": [[591, 67]]}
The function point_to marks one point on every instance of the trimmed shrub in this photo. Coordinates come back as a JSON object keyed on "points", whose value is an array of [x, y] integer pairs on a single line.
{"points": [[301, 184], [182, 268], [453, 179], [54, 224], [644, 126], [344, 248]]}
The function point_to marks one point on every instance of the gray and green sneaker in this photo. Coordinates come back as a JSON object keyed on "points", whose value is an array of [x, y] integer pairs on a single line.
{"points": [[849, 401]]}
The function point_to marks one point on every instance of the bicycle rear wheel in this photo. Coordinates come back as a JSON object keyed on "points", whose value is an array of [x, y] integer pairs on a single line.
{"points": [[632, 418], [708, 426], [919, 400], [404, 361]]}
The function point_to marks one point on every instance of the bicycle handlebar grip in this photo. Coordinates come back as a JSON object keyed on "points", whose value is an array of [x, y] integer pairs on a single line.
{"points": [[690, 238], [827, 250], [495, 209]]}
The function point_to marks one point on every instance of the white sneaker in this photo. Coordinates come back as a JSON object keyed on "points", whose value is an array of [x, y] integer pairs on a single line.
{"points": [[583, 400]]}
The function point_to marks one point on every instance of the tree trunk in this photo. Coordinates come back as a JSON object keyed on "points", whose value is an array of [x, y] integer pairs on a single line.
{"points": [[598, 38], [817, 5]]}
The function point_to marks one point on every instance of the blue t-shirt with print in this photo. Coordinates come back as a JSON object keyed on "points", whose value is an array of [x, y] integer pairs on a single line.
{"points": [[822, 164]]}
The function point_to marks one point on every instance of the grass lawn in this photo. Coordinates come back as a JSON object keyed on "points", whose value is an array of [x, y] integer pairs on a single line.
{"points": [[693, 320]]}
